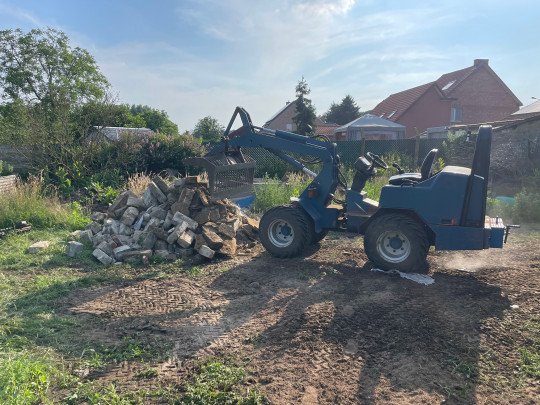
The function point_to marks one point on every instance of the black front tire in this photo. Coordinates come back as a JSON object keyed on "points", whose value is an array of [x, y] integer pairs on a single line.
{"points": [[317, 237], [285, 231], [397, 241]]}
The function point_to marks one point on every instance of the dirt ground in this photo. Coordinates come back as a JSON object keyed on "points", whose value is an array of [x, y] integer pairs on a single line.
{"points": [[325, 329]]}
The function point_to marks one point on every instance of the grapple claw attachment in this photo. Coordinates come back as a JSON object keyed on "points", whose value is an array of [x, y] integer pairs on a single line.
{"points": [[230, 175]]}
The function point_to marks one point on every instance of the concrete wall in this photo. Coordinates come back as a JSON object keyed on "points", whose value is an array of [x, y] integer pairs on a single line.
{"points": [[511, 147], [7, 183]]}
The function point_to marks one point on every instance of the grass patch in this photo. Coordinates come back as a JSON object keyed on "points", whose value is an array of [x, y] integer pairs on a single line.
{"points": [[218, 382], [25, 377], [27, 202], [275, 192]]}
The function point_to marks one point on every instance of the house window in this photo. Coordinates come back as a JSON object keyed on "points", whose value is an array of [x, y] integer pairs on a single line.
{"points": [[456, 114], [289, 127]]}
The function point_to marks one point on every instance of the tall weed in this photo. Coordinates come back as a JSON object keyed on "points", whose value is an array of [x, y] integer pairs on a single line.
{"points": [[28, 202]]}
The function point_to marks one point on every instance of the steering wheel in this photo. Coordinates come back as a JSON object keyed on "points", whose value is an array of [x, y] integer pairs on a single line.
{"points": [[376, 160]]}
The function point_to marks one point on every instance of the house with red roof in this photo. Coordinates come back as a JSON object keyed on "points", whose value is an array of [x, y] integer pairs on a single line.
{"points": [[472, 95]]}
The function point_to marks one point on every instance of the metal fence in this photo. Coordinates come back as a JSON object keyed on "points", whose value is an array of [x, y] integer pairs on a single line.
{"points": [[349, 151]]}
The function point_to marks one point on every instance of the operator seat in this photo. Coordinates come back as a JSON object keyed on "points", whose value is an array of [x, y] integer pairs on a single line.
{"points": [[412, 178]]}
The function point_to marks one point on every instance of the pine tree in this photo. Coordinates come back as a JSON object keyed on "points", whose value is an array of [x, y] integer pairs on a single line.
{"points": [[305, 111], [344, 112]]}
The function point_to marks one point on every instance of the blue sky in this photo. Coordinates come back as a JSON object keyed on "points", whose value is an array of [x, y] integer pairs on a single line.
{"points": [[204, 57]]}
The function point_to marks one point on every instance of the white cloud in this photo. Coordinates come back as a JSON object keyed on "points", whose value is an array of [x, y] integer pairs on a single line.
{"points": [[20, 14]]}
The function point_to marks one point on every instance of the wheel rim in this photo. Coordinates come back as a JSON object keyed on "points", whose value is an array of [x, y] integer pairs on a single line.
{"points": [[280, 233], [393, 246]]}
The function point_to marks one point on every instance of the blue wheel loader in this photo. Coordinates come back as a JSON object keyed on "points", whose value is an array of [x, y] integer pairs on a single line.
{"points": [[446, 209]]}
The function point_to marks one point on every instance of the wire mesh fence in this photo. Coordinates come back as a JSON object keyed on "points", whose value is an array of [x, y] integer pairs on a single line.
{"points": [[349, 151]]}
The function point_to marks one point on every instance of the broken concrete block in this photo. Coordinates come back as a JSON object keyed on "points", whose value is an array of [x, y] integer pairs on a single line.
{"points": [[203, 216], [167, 222], [186, 239], [120, 251], [203, 197], [137, 236], [158, 212], [39, 246], [120, 202], [184, 252], [162, 184], [136, 202], [106, 247], [156, 192], [95, 227], [227, 231], [86, 236], [161, 245], [152, 224], [228, 247], [149, 199], [98, 217], [184, 201], [102, 257], [123, 240], [129, 216], [179, 217], [250, 221], [206, 252], [138, 223], [213, 240], [136, 255], [166, 255], [176, 232], [161, 233], [74, 248], [149, 240], [179, 183], [199, 241], [214, 215], [125, 230], [98, 238]]}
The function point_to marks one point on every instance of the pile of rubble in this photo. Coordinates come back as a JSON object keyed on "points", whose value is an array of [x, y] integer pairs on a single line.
{"points": [[169, 221]]}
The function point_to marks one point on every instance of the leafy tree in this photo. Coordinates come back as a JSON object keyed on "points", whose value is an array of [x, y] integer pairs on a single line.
{"points": [[41, 67], [305, 111], [344, 112], [43, 82], [156, 120], [208, 129]]}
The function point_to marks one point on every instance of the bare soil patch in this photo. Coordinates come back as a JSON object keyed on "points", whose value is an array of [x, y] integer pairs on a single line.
{"points": [[325, 329]]}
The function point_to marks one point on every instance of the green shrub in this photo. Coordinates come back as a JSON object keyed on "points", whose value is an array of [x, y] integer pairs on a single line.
{"points": [[5, 169], [458, 149], [527, 206], [27, 202]]}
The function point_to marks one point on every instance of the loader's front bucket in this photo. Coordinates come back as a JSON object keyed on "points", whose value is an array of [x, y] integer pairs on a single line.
{"points": [[230, 175]]}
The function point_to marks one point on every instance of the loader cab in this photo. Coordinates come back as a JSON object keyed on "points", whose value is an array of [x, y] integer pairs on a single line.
{"points": [[451, 203]]}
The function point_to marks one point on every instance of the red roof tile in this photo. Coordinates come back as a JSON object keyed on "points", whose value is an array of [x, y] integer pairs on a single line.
{"points": [[449, 81], [325, 129], [396, 104]]}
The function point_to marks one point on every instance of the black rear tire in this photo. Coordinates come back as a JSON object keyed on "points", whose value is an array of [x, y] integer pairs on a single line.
{"points": [[285, 231], [397, 241]]}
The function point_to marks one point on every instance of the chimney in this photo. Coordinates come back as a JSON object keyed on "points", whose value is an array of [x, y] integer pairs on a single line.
{"points": [[481, 62]]}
